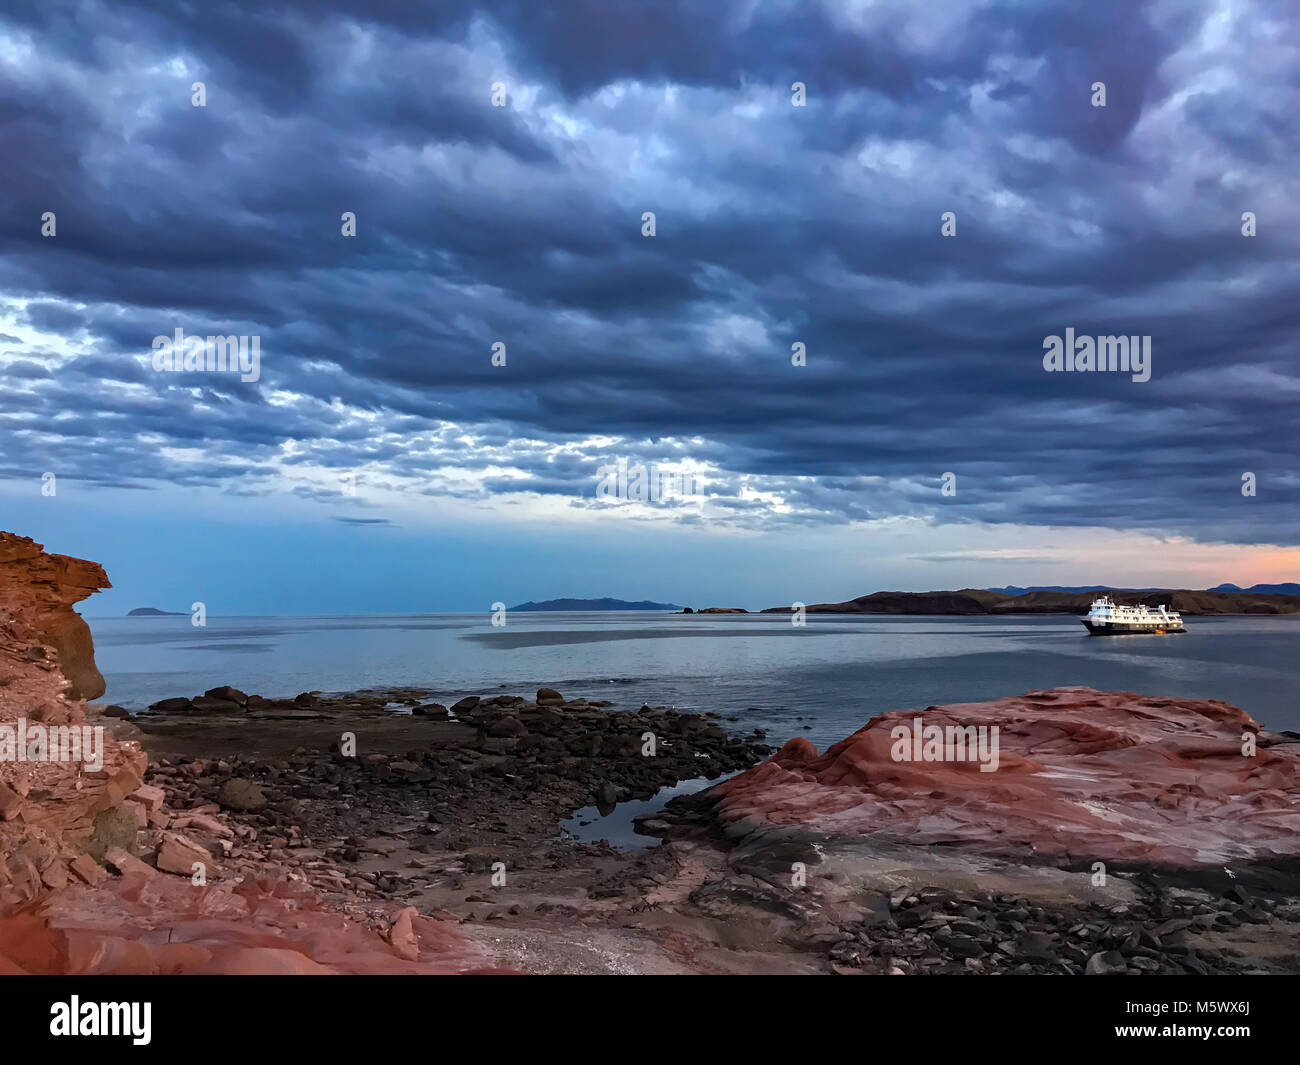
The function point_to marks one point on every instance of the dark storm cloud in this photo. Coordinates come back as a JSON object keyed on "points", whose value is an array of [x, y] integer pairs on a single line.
{"points": [[776, 224]]}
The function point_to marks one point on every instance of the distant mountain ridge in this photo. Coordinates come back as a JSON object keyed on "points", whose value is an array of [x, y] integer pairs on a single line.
{"points": [[970, 601], [594, 604], [1290, 588], [1012, 589], [154, 612]]}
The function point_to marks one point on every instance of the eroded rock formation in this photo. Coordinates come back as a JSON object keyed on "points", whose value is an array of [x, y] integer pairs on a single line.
{"points": [[1081, 775], [97, 875], [37, 594], [48, 809]]}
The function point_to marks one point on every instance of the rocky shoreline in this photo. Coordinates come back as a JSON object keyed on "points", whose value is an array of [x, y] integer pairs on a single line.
{"points": [[384, 832], [1050, 919], [431, 791], [938, 931], [457, 816]]}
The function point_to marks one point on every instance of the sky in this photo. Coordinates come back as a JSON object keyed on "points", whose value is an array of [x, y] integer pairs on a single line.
{"points": [[822, 350]]}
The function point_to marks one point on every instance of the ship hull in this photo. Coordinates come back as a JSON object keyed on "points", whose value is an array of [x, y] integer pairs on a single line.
{"points": [[1111, 628]]}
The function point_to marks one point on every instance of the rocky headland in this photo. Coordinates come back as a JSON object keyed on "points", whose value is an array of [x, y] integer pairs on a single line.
{"points": [[974, 601], [100, 873], [1118, 833], [384, 831]]}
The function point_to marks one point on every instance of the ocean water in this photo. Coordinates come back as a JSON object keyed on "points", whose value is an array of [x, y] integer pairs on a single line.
{"points": [[822, 681]]}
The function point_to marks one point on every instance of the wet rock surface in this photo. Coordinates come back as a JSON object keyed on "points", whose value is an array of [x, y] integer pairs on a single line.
{"points": [[495, 781], [936, 931], [391, 749], [373, 805]]}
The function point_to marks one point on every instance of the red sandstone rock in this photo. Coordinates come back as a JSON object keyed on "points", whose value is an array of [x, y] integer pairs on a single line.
{"points": [[1081, 774], [39, 590], [179, 854], [149, 797], [165, 925], [55, 875], [89, 870], [127, 864], [402, 934], [190, 819], [10, 802], [140, 922]]}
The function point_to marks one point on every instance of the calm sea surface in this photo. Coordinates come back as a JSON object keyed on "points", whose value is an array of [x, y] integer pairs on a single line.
{"points": [[822, 681]]}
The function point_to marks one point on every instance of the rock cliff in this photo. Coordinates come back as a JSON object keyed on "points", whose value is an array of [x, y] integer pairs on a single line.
{"points": [[98, 875], [48, 809], [37, 593]]}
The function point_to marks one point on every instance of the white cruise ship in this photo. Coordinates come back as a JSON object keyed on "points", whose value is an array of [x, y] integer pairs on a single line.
{"points": [[1106, 618]]}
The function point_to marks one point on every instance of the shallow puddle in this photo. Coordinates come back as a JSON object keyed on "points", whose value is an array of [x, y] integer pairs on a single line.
{"points": [[589, 826]]}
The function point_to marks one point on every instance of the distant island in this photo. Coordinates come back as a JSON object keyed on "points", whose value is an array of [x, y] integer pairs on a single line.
{"points": [[154, 612], [982, 601], [595, 604]]}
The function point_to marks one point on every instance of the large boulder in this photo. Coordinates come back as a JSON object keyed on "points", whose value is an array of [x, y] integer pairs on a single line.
{"points": [[226, 692], [209, 705], [115, 827], [179, 854], [1064, 772], [432, 710], [242, 795]]}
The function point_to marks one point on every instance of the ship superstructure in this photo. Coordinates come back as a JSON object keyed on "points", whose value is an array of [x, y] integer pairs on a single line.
{"points": [[1108, 618]]}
